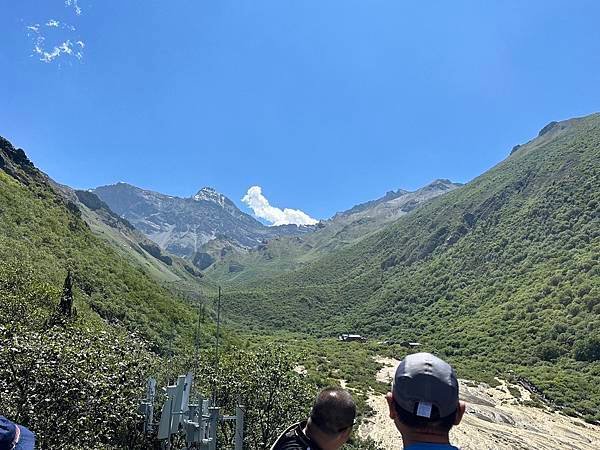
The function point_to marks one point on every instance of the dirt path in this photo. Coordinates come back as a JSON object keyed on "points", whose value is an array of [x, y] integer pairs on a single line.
{"points": [[494, 421]]}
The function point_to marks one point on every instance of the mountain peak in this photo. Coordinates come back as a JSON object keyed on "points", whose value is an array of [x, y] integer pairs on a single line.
{"points": [[443, 184], [210, 194]]}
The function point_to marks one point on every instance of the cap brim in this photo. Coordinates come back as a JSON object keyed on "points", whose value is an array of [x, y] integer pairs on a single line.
{"points": [[26, 440]]}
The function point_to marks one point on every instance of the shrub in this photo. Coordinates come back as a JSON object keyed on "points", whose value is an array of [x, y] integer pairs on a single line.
{"points": [[587, 349], [548, 351]]}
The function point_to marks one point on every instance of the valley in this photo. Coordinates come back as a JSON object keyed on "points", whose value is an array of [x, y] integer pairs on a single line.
{"points": [[500, 276]]}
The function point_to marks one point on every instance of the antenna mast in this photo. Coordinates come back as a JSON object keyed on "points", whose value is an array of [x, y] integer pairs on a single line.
{"points": [[217, 346], [200, 320]]}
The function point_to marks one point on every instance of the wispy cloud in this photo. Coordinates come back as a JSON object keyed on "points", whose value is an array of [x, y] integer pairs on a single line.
{"points": [[64, 48], [73, 4], [261, 207], [56, 38]]}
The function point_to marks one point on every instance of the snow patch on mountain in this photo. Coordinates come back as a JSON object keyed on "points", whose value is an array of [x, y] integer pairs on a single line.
{"points": [[210, 195]]}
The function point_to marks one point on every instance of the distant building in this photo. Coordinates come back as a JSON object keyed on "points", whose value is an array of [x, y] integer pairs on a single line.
{"points": [[410, 344], [351, 337]]}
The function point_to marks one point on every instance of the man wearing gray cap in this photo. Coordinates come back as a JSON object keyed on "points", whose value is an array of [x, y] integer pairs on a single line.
{"points": [[424, 402]]}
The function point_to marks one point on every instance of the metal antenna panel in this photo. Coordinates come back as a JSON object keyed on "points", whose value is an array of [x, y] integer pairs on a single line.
{"points": [[196, 422], [164, 427], [146, 407], [189, 379], [181, 397]]}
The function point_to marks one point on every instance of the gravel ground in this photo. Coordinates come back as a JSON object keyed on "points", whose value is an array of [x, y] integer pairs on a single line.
{"points": [[495, 420]]}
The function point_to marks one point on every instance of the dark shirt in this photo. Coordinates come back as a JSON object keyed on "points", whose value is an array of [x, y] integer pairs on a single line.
{"points": [[294, 439], [426, 446]]}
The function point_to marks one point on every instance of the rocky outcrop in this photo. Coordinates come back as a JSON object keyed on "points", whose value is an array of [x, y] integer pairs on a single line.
{"points": [[548, 128], [15, 163]]}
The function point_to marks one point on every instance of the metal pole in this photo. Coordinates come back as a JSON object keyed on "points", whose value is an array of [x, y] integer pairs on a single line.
{"points": [[217, 347], [197, 356], [218, 328], [239, 427], [214, 419]]}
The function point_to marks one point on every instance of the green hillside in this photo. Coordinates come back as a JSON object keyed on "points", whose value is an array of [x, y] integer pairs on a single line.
{"points": [[502, 274], [48, 231], [73, 375]]}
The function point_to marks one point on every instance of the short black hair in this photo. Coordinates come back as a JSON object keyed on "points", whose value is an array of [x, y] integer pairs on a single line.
{"points": [[333, 411], [434, 423]]}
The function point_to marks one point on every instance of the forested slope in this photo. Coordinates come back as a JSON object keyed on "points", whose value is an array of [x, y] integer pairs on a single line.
{"points": [[74, 373], [38, 226], [500, 274]]}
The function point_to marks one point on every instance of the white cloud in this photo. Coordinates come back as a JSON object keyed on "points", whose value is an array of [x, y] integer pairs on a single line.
{"points": [[73, 4], [65, 48], [261, 208], [55, 39]]}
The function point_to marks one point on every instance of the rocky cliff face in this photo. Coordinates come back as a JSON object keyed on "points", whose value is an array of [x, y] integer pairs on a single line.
{"points": [[15, 163], [184, 226]]}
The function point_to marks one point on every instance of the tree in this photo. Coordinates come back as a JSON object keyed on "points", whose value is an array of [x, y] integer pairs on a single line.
{"points": [[587, 349], [273, 394], [548, 351]]}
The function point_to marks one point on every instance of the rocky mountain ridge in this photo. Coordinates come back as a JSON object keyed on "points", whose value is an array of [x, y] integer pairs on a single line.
{"points": [[284, 253], [185, 226], [209, 227]]}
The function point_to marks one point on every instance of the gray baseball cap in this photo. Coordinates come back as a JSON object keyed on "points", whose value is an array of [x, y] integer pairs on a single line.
{"points": [[422, 381]]}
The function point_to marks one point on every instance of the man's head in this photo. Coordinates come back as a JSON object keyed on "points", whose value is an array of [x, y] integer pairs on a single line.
{"points": [[331, 418], [424, 399]]}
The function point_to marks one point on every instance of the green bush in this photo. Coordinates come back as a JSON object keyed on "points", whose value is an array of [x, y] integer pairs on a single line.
{"points": [[588, 349], [263, 380], [548, 351], [73, 381], [73, 389]]}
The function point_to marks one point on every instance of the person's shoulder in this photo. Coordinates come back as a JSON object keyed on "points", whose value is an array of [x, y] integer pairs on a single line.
{"points": [[289, 440], [292, 444]]}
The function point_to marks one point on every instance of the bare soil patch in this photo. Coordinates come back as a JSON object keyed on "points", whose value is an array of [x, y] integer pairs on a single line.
{"points": [[495, 420]]}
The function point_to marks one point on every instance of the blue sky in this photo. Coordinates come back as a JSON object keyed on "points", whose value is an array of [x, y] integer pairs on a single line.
{"points": [[323, 104]]}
